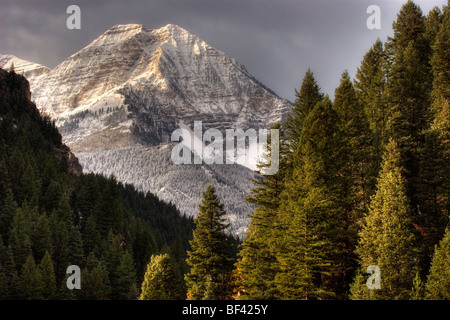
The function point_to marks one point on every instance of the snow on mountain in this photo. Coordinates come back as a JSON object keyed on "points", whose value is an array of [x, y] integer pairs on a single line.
{"points": [[118, 100], [32, 71]]}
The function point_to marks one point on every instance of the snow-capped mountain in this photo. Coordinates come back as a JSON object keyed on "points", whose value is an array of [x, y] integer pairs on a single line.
{"points": [[118, 100], [32, 71]]}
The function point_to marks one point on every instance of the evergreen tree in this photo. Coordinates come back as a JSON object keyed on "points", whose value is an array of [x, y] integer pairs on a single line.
{"points": [[112, 260], [433, 22], [41, 237], [371, 90], [95, 283], [4, 291], [91, 237], [7, 204], [52, 196], [410, 85], [310, 213], [432, 194], [417, 291], [63, 210], [126, 283], [209, 258], [433, 186], [410, 81], [362, 166], [360, 171], [257, 266], [19, 239], [30, 284], [9, 271], [8, 209], [306, 99], [46, 273], [410, 27], [438, 282], [60, 249], [143, 246], [386, 239], [440, 129], [109, 211], [4, 287], [160, 281], [76, 253]]}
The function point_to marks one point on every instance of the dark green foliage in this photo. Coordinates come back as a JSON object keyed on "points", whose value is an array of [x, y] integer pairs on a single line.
{"points": [[417, 94], [7, 204], [8, 271], [46, 273], [19, 239], [55, 219], [95, 283], [362, 158], [76, 252], [30, 285], [332, 206], [312, 217], [210, 257], [306, 99], [3, 284], [432, 25], [91, 236], [126, 284], [41, 237], [371, 90], [257, 266]]}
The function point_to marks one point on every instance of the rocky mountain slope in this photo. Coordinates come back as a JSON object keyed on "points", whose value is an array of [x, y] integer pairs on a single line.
{"points": [[118, 100]]}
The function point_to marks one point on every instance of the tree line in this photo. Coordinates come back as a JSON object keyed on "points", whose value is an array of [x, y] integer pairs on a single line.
{"points": [[363, 181], [51, 218]]}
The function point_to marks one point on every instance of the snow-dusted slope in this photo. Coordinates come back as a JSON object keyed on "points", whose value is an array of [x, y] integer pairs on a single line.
{"points": [[32, 71], [118, 100]]}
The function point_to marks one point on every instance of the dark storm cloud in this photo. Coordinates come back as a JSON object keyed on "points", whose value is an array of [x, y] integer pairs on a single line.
{"points": [[276, 40]]}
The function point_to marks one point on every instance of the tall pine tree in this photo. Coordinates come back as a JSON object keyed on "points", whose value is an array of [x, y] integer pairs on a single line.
{"points": [[306, 99], [210, 259], [257, 266], [310, 212], [160, 281], [438, 283], [386, 239]]}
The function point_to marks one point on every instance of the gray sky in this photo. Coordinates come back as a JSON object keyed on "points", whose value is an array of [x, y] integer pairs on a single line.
{"points": [[277, 40]]}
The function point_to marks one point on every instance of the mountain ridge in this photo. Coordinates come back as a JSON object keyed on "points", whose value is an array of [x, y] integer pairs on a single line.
{"points": [[129, 89]]}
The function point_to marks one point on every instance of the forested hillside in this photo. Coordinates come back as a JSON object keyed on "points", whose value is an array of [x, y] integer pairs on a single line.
{"points": [[53, 216]]}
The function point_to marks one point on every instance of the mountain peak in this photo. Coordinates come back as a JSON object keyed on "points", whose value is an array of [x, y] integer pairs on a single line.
{"points": [[173, 28], [121, 97], [119, 33], [175, 32]]}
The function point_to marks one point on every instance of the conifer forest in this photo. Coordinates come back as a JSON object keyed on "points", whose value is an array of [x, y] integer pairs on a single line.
{"points": [[358, 210]]}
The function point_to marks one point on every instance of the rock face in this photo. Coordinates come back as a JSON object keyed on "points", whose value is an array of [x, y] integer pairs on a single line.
{"points": [[118, 100]]}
